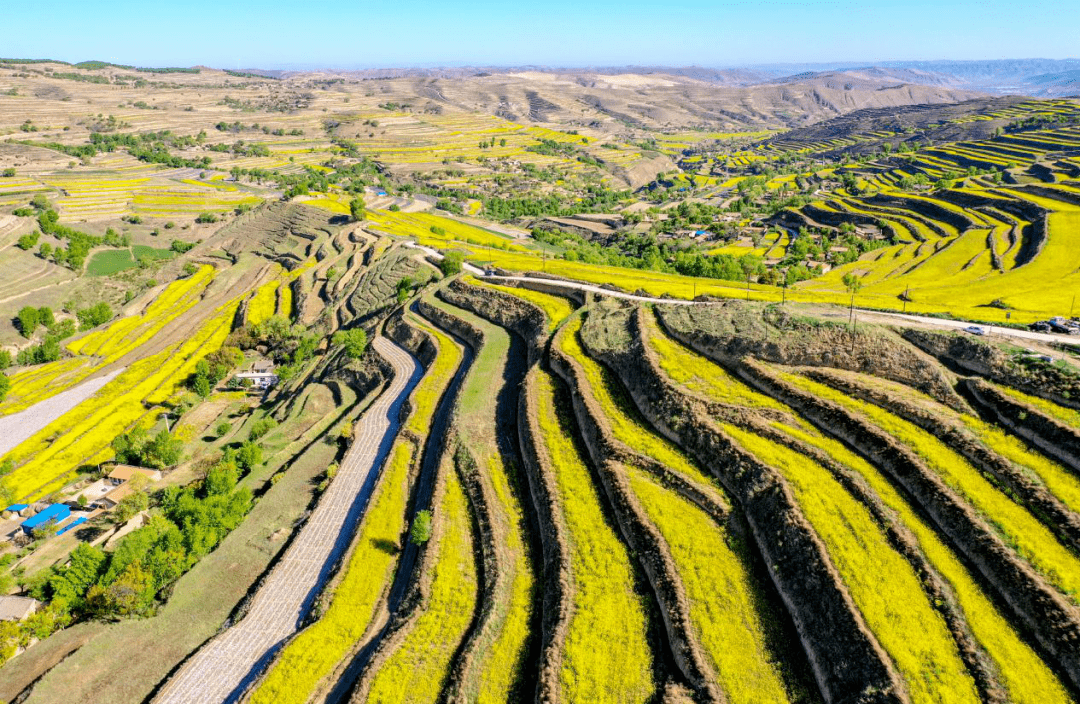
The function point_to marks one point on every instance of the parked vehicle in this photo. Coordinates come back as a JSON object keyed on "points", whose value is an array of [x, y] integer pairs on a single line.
{"points": [[975, 330]]}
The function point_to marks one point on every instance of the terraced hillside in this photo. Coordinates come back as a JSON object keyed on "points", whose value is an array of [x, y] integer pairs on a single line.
{"points": [[406, 397]]}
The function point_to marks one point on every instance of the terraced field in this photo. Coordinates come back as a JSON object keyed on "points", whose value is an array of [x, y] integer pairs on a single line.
{"points": [[494, 485]]}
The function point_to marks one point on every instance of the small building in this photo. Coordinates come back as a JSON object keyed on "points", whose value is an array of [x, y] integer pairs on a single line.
{"points": [[17, 608], [262, 366], [260, 380], [122, 473], [16, 510], [73, 524], [114, 497], [54, 513]]}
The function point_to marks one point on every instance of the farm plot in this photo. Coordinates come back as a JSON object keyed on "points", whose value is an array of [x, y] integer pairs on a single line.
{"points": [[736, 623], [606, 655], [47, 461], [485, 424], [905, 622]]}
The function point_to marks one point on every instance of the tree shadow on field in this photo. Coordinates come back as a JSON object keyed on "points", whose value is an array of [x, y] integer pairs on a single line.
{"points": [[387, 546], [340, 220]]}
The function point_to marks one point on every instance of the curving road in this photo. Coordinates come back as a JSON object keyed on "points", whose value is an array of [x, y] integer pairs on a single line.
{"points": [[224, 667]]}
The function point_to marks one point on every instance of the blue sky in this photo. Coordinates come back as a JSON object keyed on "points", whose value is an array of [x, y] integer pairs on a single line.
{"points": [[393, 33]]}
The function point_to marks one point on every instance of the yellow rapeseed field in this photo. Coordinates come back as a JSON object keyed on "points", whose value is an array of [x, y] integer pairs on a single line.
{"points": [[606, 656], [1031, 539], [1026, 677], [417, 669]]}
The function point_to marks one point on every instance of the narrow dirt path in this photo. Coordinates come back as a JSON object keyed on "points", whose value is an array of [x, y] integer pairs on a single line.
{"points": [[223, 668]]}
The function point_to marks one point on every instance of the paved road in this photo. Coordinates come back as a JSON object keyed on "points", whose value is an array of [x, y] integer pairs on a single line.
{"points": [[17, 427], [1009, 332], [223, 668], [898, 318]]}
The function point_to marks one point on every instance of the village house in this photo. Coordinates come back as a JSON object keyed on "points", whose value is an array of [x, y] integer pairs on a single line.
{"points": [[122, 473], [262, 374], [17, 608]]}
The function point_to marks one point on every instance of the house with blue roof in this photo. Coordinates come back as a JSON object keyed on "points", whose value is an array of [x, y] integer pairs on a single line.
{"points": [[54, 513]]}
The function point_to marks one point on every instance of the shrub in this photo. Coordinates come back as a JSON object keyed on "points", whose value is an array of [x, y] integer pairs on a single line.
{"points": [[205, 218], [5, 386], [222, 428], [28, 241], [261, 427], [5, 359], [93, 316]]}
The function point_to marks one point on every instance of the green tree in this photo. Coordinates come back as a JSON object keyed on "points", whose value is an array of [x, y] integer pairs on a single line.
{"points": [[420, 532], [355, 341], [201, 386], [5, 386], [132, 593], [451, 263], [221, 479], [28, 320], [404, 289], [249, 455], [129, 506], [5, 359], [71, 582], [356, 209]]}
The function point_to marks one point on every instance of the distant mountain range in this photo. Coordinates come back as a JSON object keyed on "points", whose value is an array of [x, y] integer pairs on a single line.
{"points": [[1044, 78]]}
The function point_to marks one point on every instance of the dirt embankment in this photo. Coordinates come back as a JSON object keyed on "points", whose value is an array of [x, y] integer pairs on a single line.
{"points": [[1033, 236], [1045, 432], [926, 208], [454, 325], [484, 539], [848, 663], [1040, 609], [363, 375], [538, 284], [555, 588], [974, 356], [728, 331], [503, 309], [414, 340], [1044, 505], [902, 540], [640, 534]]}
